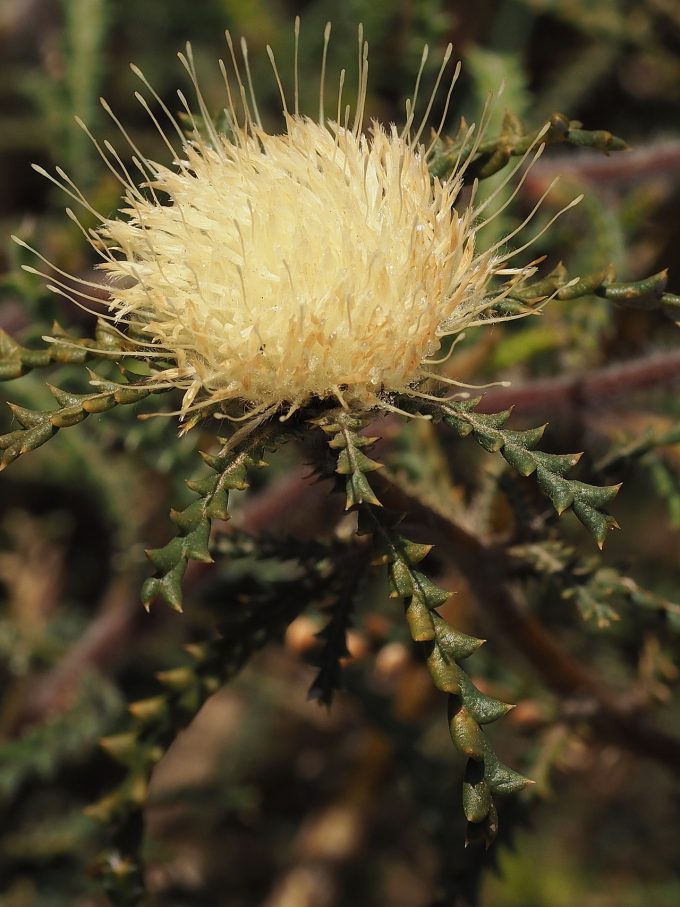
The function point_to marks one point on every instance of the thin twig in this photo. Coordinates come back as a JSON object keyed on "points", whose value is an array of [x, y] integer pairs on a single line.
{"points": [[659, 160], [570, 394]]}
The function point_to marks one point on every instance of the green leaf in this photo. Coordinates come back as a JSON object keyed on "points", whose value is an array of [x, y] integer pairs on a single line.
{"points": [[38, 427], [194, 525], [504, 780], [469, 708], [550, 469]]}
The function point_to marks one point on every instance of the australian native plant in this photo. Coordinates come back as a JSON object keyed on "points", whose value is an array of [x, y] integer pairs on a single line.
{"points": [[314, 282]]}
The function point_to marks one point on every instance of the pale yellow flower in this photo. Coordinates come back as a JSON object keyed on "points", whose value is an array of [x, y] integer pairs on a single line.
{"points": [[271, 269]]}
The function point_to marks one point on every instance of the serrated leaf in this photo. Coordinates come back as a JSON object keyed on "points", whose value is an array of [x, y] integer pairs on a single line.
{"points": [[188, 518], [34, 437], [39, 427], [165, 558], [196, 543], [483, 832], [559, 464], [489, 439], [591, 606], [357, 461], [463, 427], [594, 495], [27, 418], [194, 525], [68, 416], [203, 486], [527, 439], [123, 748], [400, 581], [218, 506], [414, 552], [490, 420], [550, 469]]}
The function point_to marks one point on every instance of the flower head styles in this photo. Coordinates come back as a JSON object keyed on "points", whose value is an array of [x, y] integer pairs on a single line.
{"points": [[292, 266], [271, 269]]}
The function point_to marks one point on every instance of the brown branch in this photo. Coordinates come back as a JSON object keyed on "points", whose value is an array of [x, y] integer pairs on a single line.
{"points": [[658, 160], [97, 649], [12, 317], [571, 394], [293, 498]]}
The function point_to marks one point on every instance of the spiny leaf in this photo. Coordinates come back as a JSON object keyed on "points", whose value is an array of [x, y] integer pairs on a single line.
{"points": [[517, 447], [469, 708], [194, 524], [38, 427], [491, 155], [453, 643], [17, 360], [648, 294], [352, 462], [334, 635]]}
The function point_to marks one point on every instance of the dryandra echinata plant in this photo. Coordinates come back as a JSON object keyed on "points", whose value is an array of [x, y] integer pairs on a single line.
{"points": [[306, 280]]}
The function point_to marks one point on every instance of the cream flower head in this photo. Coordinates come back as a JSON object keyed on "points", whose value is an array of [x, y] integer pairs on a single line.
{"points": [[271, 269]]}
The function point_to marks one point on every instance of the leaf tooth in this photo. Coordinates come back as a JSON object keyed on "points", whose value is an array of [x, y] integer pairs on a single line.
{"points": [[453, 643], [527, 438], [522, 460], [597, 523], [99, 403], [64, 398], [558, 489], [359, 491], [34, 437], [68, 416], [414, 552], [145, 710], [130, 393], [504, 780], [27, 418]]}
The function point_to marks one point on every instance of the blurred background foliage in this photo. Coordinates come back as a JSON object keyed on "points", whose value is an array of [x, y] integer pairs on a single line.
{"points": [[267, 798]]}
